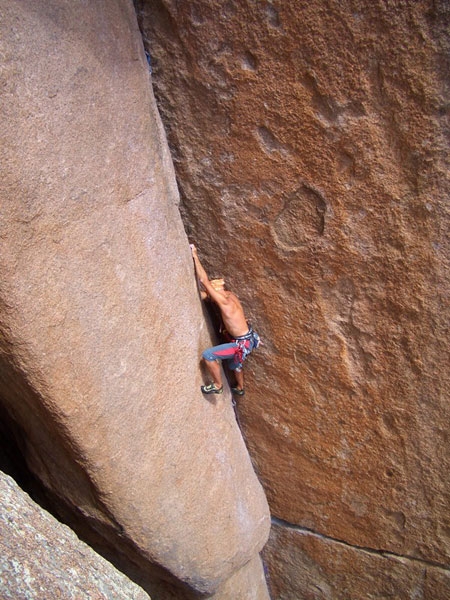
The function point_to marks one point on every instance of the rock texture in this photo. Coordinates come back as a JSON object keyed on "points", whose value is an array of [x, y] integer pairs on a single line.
{"points": [[306, 565], [101, 324], [40, 558], [310, 141]]}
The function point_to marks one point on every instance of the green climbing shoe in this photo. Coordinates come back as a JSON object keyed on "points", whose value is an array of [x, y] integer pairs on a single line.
{"points": [[211, 388], [237, 391]]}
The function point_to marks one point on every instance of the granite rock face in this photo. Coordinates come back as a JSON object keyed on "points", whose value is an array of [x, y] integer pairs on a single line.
{"points": [[310, 141], [40, 558], [317, 567], [101, 324]]}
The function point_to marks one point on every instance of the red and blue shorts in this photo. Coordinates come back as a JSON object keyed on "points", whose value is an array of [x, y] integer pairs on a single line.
{"points": [[233, 352]]}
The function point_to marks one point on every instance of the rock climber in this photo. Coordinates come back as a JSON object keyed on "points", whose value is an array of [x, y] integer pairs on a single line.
{"points": [[240, 335]]}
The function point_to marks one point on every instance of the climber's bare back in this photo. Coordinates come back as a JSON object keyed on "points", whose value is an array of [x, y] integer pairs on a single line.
{"points": [[233, 314]]}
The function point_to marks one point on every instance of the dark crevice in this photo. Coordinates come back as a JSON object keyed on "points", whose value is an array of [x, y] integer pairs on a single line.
{"points": [[12, 460]]}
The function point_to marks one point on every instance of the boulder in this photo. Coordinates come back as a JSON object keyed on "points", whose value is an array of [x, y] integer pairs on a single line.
{"points": [[311, 150], [41, 558], [101, 323]]}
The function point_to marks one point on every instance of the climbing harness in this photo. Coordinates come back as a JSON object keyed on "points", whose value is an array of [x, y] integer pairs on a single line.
{"points": [[245, 344]]}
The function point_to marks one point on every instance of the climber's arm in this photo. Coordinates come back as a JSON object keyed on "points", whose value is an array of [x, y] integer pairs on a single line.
{"points": [[207, 290], [201, 273]]}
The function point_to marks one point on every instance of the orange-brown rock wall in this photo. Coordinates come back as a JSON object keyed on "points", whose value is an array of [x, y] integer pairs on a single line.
{"points": [[310, 141]]}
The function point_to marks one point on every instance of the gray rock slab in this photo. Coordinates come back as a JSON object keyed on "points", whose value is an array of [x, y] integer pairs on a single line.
{"points": [[40, 558]]}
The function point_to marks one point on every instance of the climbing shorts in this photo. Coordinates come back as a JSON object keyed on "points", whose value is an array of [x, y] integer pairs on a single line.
{"points": [[233, 352]]}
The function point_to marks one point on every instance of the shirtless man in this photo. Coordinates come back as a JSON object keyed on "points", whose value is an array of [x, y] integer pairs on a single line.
{"points": [[242, 339]]}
